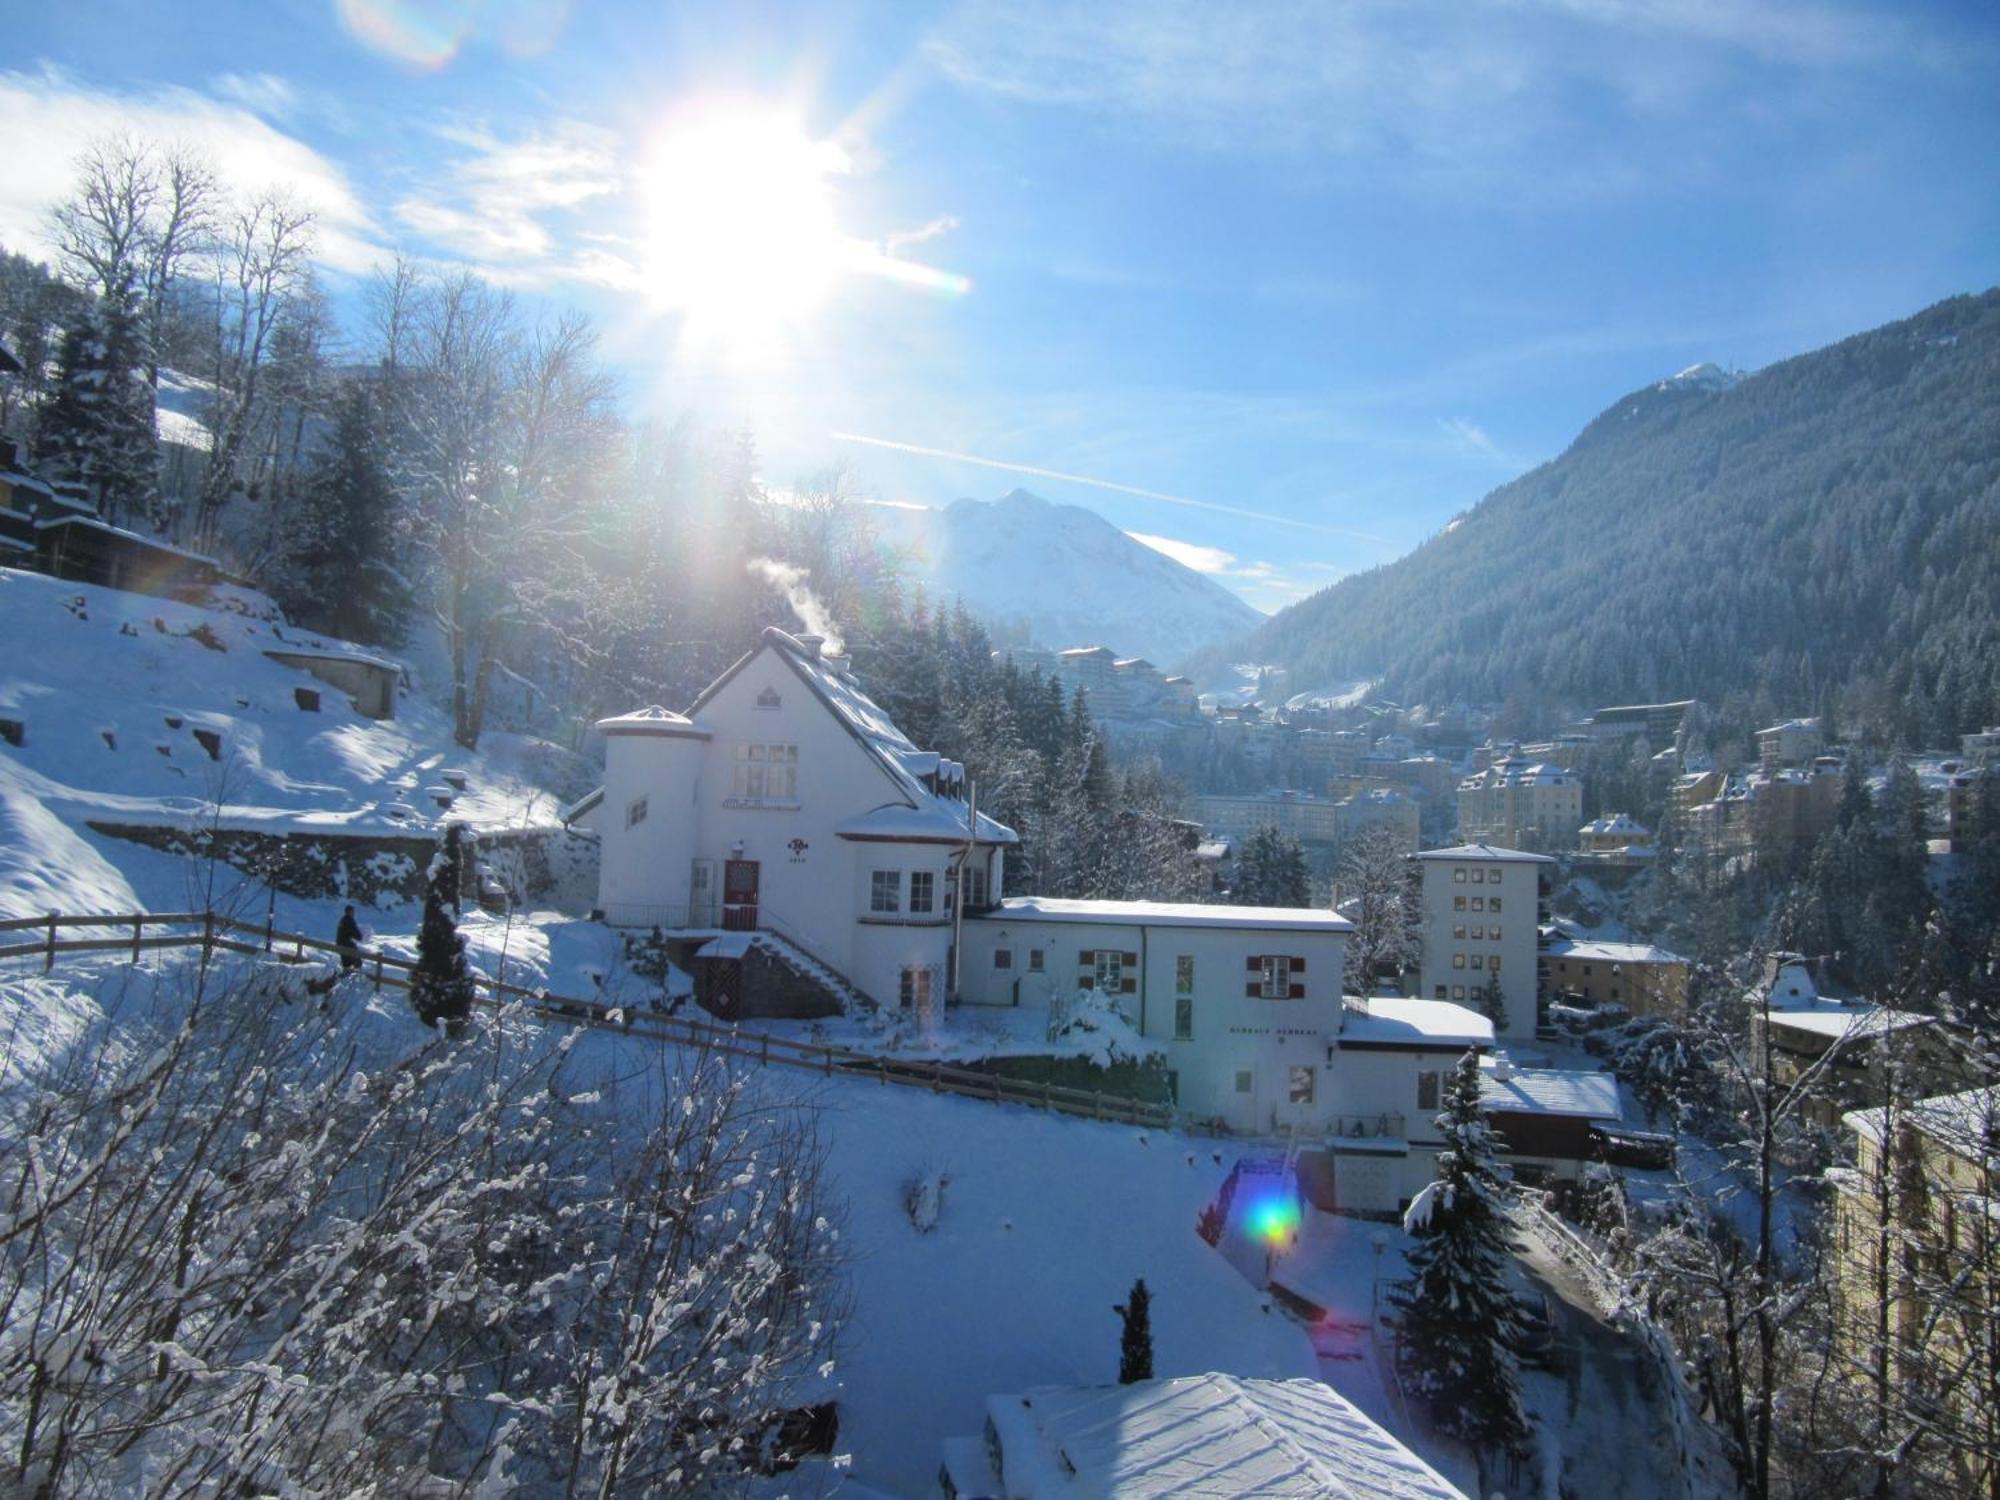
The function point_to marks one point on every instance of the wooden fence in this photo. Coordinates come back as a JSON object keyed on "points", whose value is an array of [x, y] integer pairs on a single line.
{"points": [[134, 933]]}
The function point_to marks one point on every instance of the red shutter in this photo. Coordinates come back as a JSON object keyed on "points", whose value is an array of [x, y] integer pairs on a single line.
{"points": [[1298, 966], [1086, 958], [1128, 986], [1298, 992], [1086, 981], [1253, 991], [1130, 960], [1254, 963]]}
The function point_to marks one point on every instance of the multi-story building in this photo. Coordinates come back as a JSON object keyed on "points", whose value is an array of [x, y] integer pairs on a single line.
{"points": [[1515, 802], [1764, 813], [1304, 816], [1481, 916], [1378, 809], [1660, 724], [1616, 840], [1916, 1270], [1644, 979], [1794, 743]]}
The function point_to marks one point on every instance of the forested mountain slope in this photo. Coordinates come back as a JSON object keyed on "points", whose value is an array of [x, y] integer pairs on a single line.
{"points": [[1824, 533]]}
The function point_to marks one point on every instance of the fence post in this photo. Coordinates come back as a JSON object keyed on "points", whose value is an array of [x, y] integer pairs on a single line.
{"points": [[138, 927], [49, 960], [937, 1076], [882, 1067], [829, 1061], [1046, 1102], [996, 1088], [378, 969], [1096, 1105]]}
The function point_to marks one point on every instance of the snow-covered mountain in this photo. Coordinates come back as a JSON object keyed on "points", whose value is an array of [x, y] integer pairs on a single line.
{"points": [[1064, 575]]}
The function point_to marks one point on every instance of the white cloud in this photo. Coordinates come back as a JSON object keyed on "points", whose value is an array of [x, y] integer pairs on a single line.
{"points": [[260, 93], [1469, 435], [1263, 585], [1188, 554], [47, 117]]}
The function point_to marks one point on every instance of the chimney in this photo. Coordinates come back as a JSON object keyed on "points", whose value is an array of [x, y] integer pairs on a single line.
{"points": [[1503, 1067], [812, 643], [838, 664]]}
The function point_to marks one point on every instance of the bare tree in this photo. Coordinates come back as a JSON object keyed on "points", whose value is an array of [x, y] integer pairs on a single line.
{"points": [[1376, 872], [102, 229]]}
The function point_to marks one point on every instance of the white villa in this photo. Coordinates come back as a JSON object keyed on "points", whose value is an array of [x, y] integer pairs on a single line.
{"points": [[798, 854]]}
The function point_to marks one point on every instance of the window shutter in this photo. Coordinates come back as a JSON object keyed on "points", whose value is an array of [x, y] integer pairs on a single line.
{"points": [[1128, 986], [1253, 991], [1298, 992], [1254, 964], [1086, 981], [1130, 960], [1086, 958], [1298, 966]]}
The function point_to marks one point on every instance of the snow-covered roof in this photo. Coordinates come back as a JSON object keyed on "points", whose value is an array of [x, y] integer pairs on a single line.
{"points": [[934, 824], [1486, 854], [1616, 823], [654, 720], [1793, 726], [727, 945], [92, 523], [1963, 1122], [1548, 1091], [1203, 1436], [327, 653], [1392, 1019], [1611, 953], [1836, 1022], [1167, 914]]}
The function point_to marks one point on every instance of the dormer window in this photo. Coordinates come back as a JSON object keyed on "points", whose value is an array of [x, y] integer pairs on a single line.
{"points": [[769, 699]]}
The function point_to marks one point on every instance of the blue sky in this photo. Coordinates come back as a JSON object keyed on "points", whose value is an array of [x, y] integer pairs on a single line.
{"points": [[1330, 270]]}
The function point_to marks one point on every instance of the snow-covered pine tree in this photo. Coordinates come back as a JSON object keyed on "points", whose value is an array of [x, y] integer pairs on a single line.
{"points": [[1271, 870], [344, 578], [441, 988], [95, 426], [1135, 1342], [1457, 1315]]}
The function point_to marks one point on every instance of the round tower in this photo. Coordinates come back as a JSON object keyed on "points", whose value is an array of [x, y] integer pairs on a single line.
{"points": [[652, 772]]}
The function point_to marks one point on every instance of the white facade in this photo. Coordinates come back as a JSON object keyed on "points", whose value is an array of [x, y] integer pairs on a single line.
{"points": [[1245, 1001], [1481, 910], [786, 801]]}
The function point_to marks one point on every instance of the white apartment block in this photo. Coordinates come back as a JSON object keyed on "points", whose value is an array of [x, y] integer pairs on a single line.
{"points": [[1481, 910], [1516, 802]]}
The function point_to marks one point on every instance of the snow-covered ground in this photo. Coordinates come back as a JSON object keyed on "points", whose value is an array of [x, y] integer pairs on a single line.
{"points": [[109, 688]]}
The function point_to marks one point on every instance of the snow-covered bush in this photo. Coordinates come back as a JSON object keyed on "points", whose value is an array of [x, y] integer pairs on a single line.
{"points": [[923, 1197], [1094, 1025], [248, 1248]]}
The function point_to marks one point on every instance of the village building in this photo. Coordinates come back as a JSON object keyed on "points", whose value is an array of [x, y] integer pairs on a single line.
{"points": [[1378, 808], [1301, 815], [1658, 724], [1196, 1435], [1761, 813], [1787, 746], [1481, 915], [1549, 1120], [1638, 978], [1516, 803], [1616, 841], [1916, 1246]]}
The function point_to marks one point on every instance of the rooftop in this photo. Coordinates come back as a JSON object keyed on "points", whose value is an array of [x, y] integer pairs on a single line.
{"points": [[1168, 914], [1839, 1022], [1964, 1122], [1548, 1091], [1611, 953], [1203, 1436], [1393, 1019], [655, 720], [1486, 854]]}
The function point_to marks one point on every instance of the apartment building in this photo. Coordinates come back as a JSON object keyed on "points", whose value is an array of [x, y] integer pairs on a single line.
{"points": [[1481, 910], [1516, 802]]}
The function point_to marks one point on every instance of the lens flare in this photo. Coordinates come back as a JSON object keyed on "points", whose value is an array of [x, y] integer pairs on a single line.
{"points": [[1274, 1220]]}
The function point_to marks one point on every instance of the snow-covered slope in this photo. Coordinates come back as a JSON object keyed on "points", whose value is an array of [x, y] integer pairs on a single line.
{"points": [[1063, 574], [113, 693]]}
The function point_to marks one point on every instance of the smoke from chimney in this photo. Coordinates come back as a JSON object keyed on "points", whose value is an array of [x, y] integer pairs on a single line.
{"points": [[805, 604]]}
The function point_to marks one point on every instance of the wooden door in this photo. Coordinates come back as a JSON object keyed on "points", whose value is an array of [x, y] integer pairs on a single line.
{"points": [[739, 895]]}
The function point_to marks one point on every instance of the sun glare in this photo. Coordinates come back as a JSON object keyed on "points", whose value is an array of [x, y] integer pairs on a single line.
{"points": [[741, 232]]}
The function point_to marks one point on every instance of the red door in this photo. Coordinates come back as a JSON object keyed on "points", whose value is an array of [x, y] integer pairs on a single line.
{"points": [[739, 895]]}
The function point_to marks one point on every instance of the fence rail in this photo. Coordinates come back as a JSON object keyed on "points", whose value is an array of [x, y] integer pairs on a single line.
{"points": [[216, 933]]}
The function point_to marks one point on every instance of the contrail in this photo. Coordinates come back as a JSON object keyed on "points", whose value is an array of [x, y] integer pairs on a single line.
{"points": [[1102, 484]]}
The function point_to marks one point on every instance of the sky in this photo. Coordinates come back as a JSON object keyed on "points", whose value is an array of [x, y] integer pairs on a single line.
{"points": [[1279, 288]]}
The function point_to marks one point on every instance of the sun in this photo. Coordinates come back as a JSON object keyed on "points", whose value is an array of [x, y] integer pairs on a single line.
{"points": [[740, 225]]}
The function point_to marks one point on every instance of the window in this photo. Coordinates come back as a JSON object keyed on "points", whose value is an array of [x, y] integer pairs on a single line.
{"points": [[1493, 933], [1300, 1090], [1479, 903], [1427, 1090], [972, 885], [1110, 965], [1277, 978], [635, 812], [885, 890], [1034, 960], [769, 698], [1184, 1018], [923, 890], [1458, 992], [1458, 903], [1458, 875], [1493, 962], [1184, 974], [913, 990], [1479, 960], [1458, 932], [1244, 1080], [766, 772], [1479, 877], [1440, 992], [1494, 904], [1494, 876], [1003, 958], [1479, 934], [1458, 960]]}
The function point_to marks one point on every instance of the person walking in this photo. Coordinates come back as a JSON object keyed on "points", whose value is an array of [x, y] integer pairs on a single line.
{"points": [[348, 936]]}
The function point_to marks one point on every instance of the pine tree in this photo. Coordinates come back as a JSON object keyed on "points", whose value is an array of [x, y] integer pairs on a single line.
{"points": [[1271, 870], [441, 988], [1135, 1342], [344, 579], [95, 426], [1456, 1315]]}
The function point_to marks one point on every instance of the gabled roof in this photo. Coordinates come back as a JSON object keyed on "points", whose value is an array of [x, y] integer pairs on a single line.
{"points": [[1965, 1123], [1485, 854], [1548, 1091], [1203, 1436]]}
